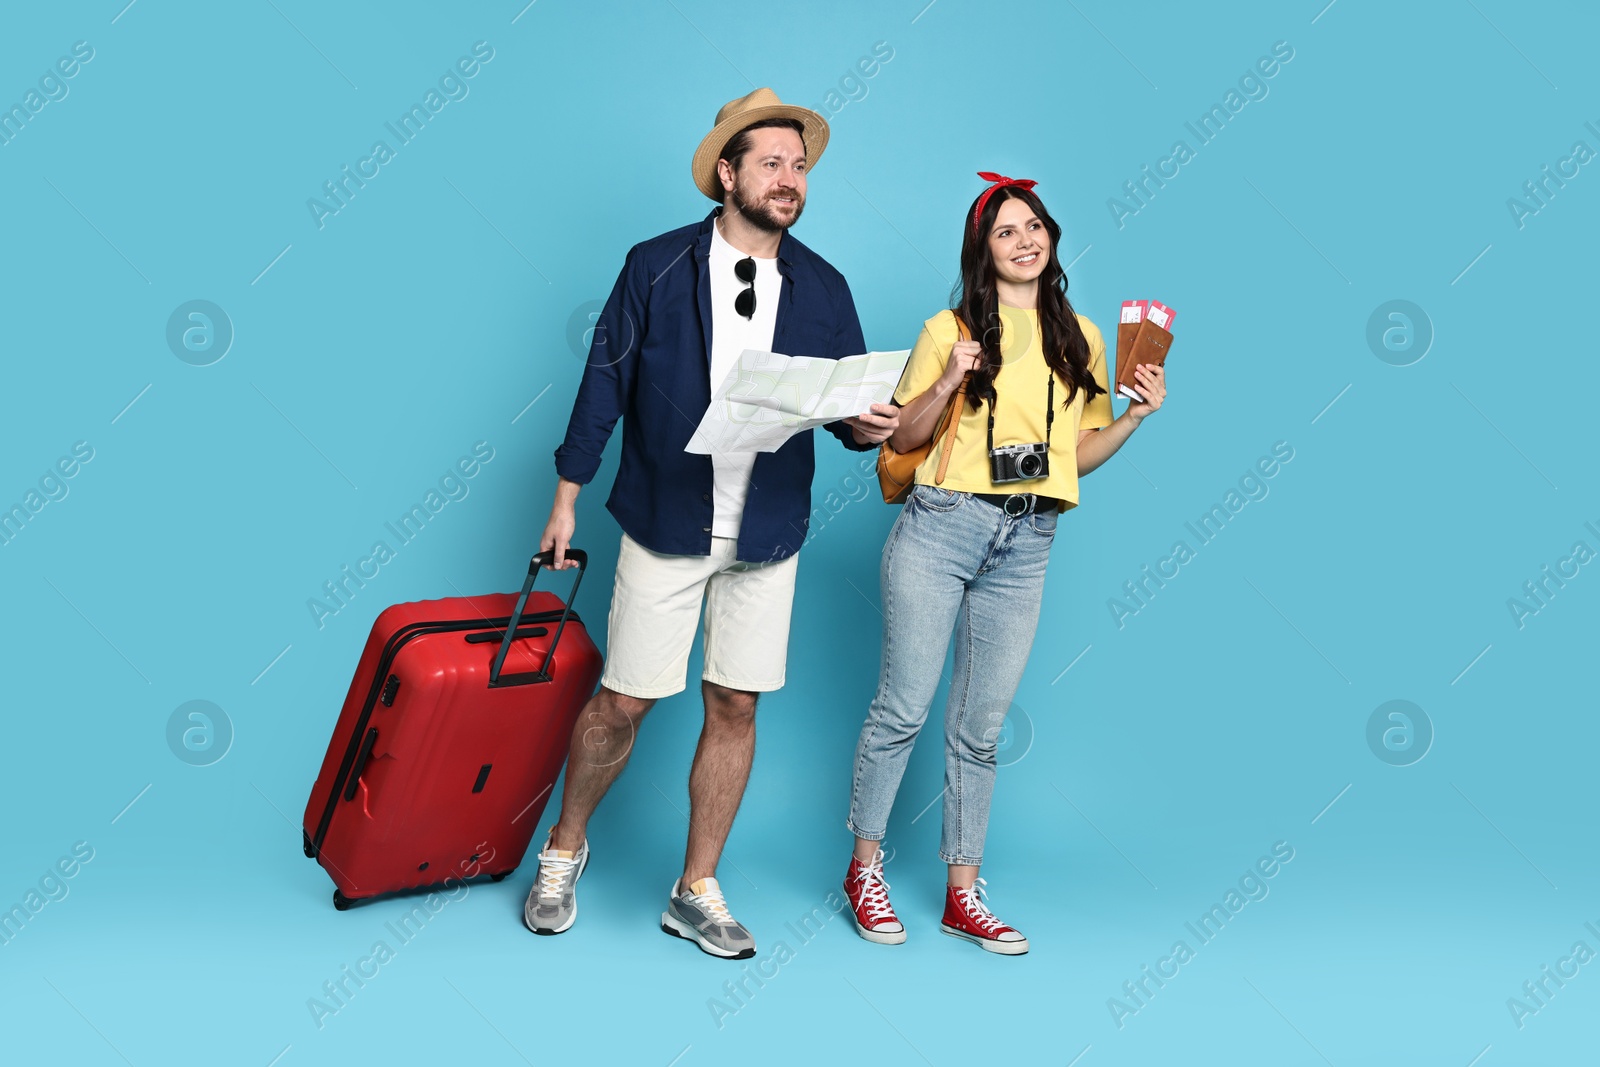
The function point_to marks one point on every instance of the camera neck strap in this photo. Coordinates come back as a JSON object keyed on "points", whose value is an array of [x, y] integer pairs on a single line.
{"points": [[1049, 413]]}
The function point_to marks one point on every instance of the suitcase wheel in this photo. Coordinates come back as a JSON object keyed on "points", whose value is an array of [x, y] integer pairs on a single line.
{"points": [[341, 902], [311, 851], [502, 876]]}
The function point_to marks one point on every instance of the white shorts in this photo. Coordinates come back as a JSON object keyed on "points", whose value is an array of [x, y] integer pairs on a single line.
{"points": [[655, 605]]}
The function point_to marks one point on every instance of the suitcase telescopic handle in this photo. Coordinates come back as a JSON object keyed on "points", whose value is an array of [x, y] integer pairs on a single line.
{"points": [[543, 559]]}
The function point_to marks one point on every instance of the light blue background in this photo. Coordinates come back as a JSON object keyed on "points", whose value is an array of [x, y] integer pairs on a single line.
{"points": [[429, 313]]}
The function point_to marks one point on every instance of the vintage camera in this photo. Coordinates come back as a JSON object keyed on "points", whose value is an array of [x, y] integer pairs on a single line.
{"points": [[1015, 463]]}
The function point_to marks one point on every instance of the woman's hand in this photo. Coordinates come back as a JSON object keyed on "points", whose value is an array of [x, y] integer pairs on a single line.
{"points": [[919, 417], [1152, 382], [965, 356], [1097, 446]]}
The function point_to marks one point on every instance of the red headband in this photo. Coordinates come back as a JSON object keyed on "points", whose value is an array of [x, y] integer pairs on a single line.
{"points": [[1000, 181]]}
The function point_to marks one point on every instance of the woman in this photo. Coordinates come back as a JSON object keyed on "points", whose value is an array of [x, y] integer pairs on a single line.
{"points": [[968, 555]]}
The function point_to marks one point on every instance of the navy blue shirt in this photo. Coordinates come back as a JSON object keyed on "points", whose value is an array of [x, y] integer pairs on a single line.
{"points": [[650, 361]]}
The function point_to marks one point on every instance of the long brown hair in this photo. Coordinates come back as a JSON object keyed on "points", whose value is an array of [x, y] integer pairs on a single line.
{"points": [[975, 297]]}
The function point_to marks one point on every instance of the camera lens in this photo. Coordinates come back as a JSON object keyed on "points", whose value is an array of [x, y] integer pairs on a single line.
{"points": [[1030, 465]]}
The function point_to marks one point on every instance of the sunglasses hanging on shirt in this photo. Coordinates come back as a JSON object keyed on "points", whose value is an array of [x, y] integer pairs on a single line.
{"points": [[745, 302]]}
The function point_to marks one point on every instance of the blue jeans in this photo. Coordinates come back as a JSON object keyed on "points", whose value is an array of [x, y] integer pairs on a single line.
{"points": [[952, 562]]}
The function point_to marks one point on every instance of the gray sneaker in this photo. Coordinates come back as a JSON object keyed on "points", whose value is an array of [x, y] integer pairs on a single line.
{"points": [[552, 905], [703, 918]]}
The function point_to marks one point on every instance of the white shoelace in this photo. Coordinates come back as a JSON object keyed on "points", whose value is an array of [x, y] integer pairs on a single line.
{"points": [[875, 891], [553, 870], [977, 908], [713, 904]]}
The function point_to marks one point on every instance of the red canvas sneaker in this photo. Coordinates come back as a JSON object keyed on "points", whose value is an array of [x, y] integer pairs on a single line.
{"points": [[868, 894], [967, 916]]}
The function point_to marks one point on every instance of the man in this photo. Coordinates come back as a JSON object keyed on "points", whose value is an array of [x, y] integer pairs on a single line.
{"points": [[725, 527]]}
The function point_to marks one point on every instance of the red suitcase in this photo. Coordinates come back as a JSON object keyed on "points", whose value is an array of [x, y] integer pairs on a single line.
{"points": [[441, 762]]}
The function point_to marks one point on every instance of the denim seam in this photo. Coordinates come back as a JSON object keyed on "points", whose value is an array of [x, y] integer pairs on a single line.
{"points": [[858, 832], [990, 561], [966, 695], [959, 501]]}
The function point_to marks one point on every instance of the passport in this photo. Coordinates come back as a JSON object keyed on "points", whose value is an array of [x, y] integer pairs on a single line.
{"points": [[1144, 336]]}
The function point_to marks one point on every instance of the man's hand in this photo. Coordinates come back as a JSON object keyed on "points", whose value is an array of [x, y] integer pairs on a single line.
{"points": [[563, 521], [876, 426]]}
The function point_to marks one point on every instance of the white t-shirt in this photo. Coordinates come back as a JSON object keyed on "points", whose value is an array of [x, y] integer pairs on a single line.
{"points": [[731, 334]]}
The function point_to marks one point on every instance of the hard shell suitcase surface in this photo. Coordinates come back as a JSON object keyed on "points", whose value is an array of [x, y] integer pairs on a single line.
{"points": [[450, 740]]}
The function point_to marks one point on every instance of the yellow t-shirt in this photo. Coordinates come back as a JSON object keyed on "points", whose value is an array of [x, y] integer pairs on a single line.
{"points": [[1020, 413]]}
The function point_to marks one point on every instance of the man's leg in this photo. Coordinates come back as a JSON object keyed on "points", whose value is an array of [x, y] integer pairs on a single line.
{"points": [[717, 779], [747, 644], [655, 602], [602, 741]]}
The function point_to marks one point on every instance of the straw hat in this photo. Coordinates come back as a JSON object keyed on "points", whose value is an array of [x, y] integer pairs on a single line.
{"points": [[735, 116]]}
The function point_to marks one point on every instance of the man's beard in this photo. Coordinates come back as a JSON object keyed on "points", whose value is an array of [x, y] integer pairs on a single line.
{"points": [[761, 216]]}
